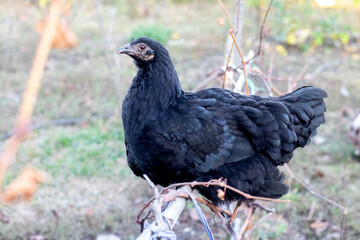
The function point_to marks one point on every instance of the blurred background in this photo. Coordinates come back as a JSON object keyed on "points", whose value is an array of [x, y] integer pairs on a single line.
{"points": [[78, 138]]}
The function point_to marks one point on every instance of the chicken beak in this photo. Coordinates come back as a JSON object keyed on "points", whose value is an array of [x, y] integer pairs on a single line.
{"points": [[125, 50]]}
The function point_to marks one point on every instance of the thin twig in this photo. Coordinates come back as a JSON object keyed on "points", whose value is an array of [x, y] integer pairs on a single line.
{"points": [[302, 72], [226, 13], [205, 202], [246, 223], [257, 224], [270, 68], [213, 75], [292, 175], [173, 194], [345, 210], [171, 214], [322, 67], [342, 226], [293, 83], [239, 22], [242, 61], [227, 65], [221, 184], [55, 122], [264, 78], [261, 33], [311, 212], [157, 203], [233, 216], [237, 17], [268, 210]]}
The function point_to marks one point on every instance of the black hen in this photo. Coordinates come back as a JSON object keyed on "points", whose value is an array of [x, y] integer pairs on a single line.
{"points": [[175, 136]]}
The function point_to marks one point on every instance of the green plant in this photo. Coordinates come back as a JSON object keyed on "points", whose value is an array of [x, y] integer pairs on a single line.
{"points": [[159, 33], [303, 25]]}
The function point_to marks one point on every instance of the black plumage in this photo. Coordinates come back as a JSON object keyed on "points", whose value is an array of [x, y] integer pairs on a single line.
{"points": [[175, 136]]}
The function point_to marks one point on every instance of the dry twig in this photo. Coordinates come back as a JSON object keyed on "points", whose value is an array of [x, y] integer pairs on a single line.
{"points": [[226, 13], [173, 194], [227, 65], [212, 207], [293, 83], [157, 203], [261, 33], [292, 175], [220, 183], [247, 222], [210, 77], [257, 224], [242, 60], [345, 210]]}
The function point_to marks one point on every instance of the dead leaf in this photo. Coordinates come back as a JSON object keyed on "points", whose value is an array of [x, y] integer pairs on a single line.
{"points": [[221, 21], [319, 227], [24, 186], [318, 174]]}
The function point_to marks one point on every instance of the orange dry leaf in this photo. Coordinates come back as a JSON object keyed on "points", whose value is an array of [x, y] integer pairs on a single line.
{"points": [[64, 38], [221, 21], [24, 186], [319, 227]]}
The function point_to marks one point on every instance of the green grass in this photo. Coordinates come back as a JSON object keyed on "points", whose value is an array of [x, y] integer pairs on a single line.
{"points": [[91, 151]]}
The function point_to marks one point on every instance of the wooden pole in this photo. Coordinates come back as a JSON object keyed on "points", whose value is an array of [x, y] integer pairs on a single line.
{"points": [[32, 88]]}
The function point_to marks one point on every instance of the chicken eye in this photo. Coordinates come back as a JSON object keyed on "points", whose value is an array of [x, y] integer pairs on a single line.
{"points": [[142, 47]]}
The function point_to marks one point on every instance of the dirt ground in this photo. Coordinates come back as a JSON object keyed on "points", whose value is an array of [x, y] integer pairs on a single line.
{"points": [[92, 190]]}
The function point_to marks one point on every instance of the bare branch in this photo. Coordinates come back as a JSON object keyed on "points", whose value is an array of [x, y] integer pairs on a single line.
{"points": [[345, 210], [156, 204], [171, 213], [173, 194], [212, 76], [247, 222], [170, 196], [270, 68], [257, 224], [292, 175], [242, 60], [222, 184], [292, 83], [261, 33], [342, 226], [226, 13], [227, 65]]}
